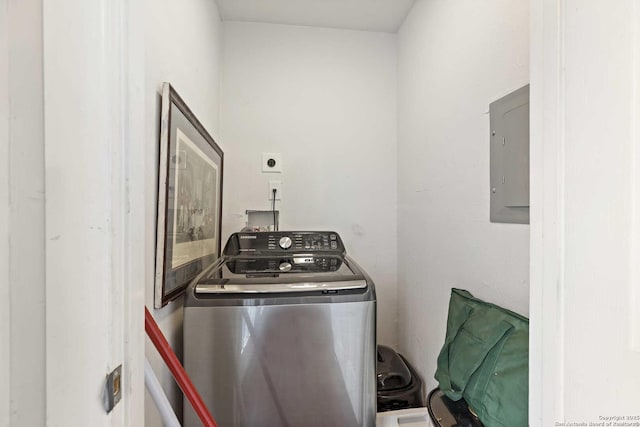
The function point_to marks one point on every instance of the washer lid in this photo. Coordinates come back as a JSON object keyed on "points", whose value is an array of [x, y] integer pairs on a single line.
{"points": [[297, 273], [270, 288]]}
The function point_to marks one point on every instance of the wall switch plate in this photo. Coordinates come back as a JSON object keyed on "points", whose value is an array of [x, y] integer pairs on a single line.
{"points": [[277, 185], [272, 162]]}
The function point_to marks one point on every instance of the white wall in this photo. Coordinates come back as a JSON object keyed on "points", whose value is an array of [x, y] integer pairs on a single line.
{"points": [[454, 58], [326, 100], [182, 46], [22, 220], [585, 164]]}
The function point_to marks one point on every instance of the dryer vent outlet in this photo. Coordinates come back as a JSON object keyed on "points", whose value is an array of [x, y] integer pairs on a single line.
{"points": [[271, 162]]}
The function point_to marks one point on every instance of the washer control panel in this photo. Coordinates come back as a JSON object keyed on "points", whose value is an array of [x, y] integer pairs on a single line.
{"points": [[271, 265], [271, 242]]}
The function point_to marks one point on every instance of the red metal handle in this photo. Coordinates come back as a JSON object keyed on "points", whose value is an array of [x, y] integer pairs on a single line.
{"points": [[181, 377]]}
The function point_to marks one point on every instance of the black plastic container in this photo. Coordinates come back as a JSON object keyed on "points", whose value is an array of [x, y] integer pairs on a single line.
{"points": [[399, 385]]}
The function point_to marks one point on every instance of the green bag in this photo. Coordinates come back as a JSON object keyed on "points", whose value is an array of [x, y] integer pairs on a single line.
{"points": [[485, 360]]}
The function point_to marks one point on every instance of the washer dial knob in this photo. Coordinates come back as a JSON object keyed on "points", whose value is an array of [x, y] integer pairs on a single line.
{"points": [[285, 266], [285, 242]]}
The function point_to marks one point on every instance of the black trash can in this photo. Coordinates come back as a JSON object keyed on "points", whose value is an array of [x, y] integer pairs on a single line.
{"points": [[445, 412], [399, 385]]}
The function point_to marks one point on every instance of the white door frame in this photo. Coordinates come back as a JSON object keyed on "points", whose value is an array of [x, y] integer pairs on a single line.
{"points": [[5, 313], [634, 301], [550, 384], [95, 251], [546, 213]]}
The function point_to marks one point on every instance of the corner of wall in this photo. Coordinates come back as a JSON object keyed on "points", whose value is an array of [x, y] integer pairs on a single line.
{"points": [[189, 58]]}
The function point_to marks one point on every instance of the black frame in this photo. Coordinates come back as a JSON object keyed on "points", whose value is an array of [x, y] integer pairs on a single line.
{"points": [[187, 214]]}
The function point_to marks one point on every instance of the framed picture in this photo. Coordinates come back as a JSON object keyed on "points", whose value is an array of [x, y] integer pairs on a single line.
{"points": [[189, 198]]}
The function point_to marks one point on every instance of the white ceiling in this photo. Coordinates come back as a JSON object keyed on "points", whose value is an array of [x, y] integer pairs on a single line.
{"points": [[368, 15]]}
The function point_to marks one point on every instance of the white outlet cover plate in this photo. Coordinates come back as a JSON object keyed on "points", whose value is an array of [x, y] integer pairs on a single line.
{"points": [[277, 168], [278, 186]]}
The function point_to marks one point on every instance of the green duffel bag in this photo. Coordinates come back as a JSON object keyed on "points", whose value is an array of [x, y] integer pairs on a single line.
{"points": [[485, 360]]}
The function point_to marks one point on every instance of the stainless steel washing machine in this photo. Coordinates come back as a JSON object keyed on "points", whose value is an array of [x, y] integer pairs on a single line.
{"points": [[280, 332]]}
